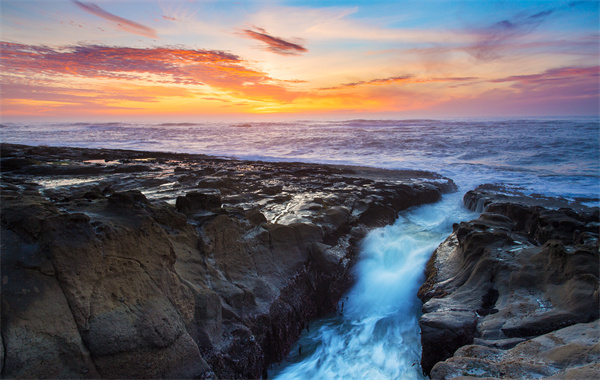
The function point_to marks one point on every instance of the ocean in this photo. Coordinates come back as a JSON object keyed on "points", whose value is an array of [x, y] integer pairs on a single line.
{"points": [[550, 156], [375, 334]]}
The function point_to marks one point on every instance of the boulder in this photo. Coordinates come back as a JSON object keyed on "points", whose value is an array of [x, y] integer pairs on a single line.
{"points": [[195, 201]]}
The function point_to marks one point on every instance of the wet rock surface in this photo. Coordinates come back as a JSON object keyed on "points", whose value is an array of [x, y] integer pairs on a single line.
{"points": [[514, 293], [126, 264]]}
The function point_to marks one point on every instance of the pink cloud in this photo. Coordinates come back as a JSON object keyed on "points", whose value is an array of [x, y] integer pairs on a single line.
{"points": [[182, 65], [553, 76], [398, 79], [274, 44], [31, 65]]}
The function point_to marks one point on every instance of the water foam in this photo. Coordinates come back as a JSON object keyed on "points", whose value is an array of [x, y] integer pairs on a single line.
{"points": [[376, 335]]}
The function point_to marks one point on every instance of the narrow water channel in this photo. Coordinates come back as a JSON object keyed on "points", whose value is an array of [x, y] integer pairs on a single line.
{"points": [[376, 333]]}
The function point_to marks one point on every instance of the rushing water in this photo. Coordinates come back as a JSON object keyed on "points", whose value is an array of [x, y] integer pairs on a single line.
{"points": [[376, 333]]}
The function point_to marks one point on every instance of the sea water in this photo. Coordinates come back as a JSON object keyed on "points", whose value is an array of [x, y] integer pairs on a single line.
{"points": [[551, 156], [375, 334]]}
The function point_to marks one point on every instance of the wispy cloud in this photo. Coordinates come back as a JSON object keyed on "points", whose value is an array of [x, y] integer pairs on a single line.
{"points": [[388, 80], [399, 79], [493, 38], [122, 23], [216, 99], [555, 77], [274, 44]]}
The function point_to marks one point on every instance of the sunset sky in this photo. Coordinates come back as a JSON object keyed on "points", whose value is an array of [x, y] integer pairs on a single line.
{"points": [[112, 60]]}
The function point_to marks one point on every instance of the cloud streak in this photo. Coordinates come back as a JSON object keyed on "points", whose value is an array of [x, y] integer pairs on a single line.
{"points": [[122, 23], [275, 45], [388, 80], [554, 76], [492, 39], [398, 79]]}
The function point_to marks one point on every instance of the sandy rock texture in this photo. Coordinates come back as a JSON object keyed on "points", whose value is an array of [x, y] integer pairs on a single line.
{"points": [[123, 264], [514, 293]]}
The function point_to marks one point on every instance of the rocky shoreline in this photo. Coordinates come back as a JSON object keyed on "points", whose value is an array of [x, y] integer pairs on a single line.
{"points": [[128, 264], [514, 293]]}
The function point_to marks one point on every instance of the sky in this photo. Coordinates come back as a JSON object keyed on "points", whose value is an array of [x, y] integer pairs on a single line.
{"points": [[190, 60]]}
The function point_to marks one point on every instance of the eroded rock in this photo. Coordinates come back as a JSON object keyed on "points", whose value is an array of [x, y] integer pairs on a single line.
{"points": [[517, 275]]}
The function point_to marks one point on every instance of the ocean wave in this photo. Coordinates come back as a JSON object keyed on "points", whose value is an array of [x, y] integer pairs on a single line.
{"points": [[178, 124]]}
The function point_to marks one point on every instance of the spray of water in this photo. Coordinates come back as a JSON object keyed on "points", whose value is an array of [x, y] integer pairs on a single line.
{"points": [[376, 333]]}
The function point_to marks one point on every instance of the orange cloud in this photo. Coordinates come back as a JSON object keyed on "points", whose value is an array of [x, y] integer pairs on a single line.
{"points": [[42, 73]]}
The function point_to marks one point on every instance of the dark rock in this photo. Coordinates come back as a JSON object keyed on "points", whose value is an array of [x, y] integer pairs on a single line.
{"points": [[272, 190], [15, 163], [444, 332], [131, 198], [95, 193], [216, 183], [107, 191], [63, 170], [256, 217], [198, 201], [518, 272], [568, 353], [180, 170], [134, 169], [39, 335]]}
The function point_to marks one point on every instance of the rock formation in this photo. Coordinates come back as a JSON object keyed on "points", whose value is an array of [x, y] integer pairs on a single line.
{"points": [[514, 293], [123, 264]]}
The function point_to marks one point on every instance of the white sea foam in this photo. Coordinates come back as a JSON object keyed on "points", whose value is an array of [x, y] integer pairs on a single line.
{"points": [[376, 336]]}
